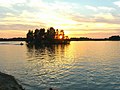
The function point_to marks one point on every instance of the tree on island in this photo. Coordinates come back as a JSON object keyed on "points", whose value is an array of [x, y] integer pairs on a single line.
{"points": [[40, 36], [30, 36], [114, 37]]}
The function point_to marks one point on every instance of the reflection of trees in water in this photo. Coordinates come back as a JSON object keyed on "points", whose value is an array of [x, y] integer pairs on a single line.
{"points": [[50, 52], [46, 58], [48, 55], [49, 63]]}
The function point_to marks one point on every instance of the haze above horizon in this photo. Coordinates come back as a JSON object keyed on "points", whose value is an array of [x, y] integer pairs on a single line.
{"points": [[78, 18]]}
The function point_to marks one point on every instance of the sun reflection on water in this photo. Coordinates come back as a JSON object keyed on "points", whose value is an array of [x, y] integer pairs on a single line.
{"points": [[50, 63], [77, 66]]}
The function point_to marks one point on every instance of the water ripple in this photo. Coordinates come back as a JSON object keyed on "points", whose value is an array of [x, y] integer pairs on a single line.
{"points": [[78, 66]]}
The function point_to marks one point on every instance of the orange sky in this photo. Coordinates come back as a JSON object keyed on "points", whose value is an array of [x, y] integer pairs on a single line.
{"points": [[77, 18]]}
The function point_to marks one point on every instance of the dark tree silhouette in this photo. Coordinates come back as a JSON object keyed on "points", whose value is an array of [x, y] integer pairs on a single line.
{"points": [[114, 37], [30, 36], [40, 36]]}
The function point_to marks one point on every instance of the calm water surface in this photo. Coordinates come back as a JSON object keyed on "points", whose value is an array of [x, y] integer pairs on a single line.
{"points": [[83, 65]]}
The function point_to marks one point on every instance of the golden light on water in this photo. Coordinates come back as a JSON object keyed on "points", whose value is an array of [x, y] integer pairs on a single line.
{"points": [[54, 59]]}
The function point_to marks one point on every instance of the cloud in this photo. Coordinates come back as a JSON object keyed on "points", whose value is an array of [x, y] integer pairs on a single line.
{"points": [[94, 33], [26, 14], [99, 8], [54, 13], [117, 3], [106, 8], [16, 27], [9, 3], [100, 18], [91, 8], [108, 16]]}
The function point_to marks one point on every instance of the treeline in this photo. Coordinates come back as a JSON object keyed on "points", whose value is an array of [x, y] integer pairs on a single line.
{"points": [[45, 36], [112, 38], [13, 39]]}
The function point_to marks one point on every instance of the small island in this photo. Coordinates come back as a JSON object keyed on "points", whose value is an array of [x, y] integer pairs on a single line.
{"points": [[52, 36]]}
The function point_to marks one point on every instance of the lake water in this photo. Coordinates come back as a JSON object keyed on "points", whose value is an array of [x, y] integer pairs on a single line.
{"points": [[82, 65]]}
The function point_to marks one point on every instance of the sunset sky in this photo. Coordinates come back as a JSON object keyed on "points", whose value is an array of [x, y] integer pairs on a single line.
{"points": [[79, 18]]}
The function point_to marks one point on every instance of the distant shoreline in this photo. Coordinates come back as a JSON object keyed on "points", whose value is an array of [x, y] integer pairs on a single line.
{"points": [[12, 39], [112, 38], [93, 40], [24, 39]]}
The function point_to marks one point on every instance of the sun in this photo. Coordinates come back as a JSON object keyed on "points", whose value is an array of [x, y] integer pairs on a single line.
{"points": [[61, 37]]}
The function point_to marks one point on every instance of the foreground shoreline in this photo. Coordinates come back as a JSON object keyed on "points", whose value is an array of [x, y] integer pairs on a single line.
{"points": [[8, 82]]}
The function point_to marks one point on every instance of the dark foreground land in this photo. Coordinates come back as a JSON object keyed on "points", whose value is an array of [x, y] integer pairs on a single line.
{"points": [[8, 82]]}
